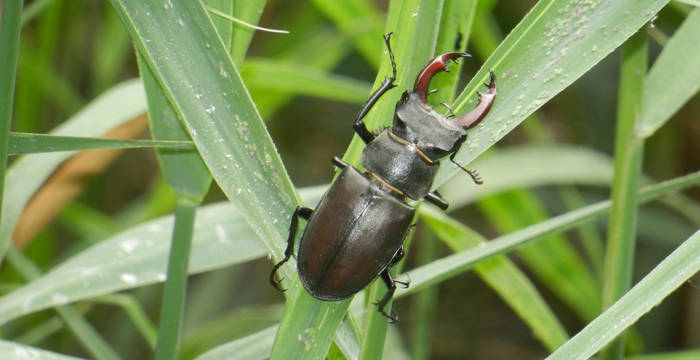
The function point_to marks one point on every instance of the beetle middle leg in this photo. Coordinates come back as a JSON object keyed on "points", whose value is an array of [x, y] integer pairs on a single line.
{"points": [[300, 211], [437, 200], [391, 287], [359, 126]]}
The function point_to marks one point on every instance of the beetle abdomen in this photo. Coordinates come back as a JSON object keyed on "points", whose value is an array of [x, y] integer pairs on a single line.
{"points": [[351, 237]]}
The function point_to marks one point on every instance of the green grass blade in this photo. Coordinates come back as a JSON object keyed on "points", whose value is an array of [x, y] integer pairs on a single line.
{"points": [[671, 273], [360, 21], [138, 257], [188, 176], [452, 265], [674, 77], [529, 166], [421, 47], [622, 224], [678, 355], [173, 303], [136, 313], [201, 82], [249, 11], [30, 143], [10, 26], [299, 79], [11, 350], [550, 48], [84, 332], [116, 106], [253, 347], [504, 277]]}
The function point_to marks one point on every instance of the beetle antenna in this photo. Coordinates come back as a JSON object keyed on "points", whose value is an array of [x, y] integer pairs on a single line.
{"points": [[474, 175]]}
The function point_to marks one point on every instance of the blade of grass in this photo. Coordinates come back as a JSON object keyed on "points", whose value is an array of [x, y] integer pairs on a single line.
{"points": [[678, 355], [29, 143], [84, 332], [249, 11], [452, 265], [299, 79], [187, 175], [137, 257], [116, 106], [535, 165], [428, 14], [136, 313], [673, 78], [514, 288], [564, 272], [671, 273], [622, 224], [424, 304], [173, 303], [299, 333], [10, 26], [554, 44], [255, 346], [360, 21], [201, 82], [11, 350]]}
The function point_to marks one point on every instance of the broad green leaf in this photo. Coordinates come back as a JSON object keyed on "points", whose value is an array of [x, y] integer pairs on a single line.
{"points": [[452, 265], [11, 350], [118, 105], [138, 257], [674, 77], [299, 79], [671, 273], [556, 43], [27, 143]]}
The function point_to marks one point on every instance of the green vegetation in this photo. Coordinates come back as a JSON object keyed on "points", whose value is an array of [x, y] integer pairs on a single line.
{"points": [[197, 119]]}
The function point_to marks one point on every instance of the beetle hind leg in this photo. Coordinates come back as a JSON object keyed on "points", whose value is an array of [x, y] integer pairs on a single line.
{"points": [[300, 211]]}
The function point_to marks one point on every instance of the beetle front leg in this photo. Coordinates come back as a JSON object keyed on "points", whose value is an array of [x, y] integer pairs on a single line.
{"points": [[359, 126], [300, 211]]}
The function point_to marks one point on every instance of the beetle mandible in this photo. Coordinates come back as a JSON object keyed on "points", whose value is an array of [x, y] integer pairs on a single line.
{"points": [[357, 230]]}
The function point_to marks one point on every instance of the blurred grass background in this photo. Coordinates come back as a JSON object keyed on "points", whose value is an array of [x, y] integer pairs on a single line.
{"points": [[70, 52]]}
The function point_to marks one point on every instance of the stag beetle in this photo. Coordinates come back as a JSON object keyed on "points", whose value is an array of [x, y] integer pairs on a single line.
{"points": [[357, 230]]}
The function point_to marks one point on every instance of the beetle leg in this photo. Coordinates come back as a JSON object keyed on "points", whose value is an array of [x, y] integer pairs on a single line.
{"points": [[391, 287], [475, 175], [337, 162], [397, 257], [472, 118], [437, 200], [300, 211], [359, 126]]}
